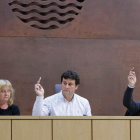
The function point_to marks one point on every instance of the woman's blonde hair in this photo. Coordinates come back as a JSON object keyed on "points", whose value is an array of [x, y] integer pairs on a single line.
{"points": [[4, 83]]}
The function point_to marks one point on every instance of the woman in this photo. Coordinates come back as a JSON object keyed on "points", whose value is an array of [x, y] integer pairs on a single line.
{"points": [[6, 99], [132, 106]]}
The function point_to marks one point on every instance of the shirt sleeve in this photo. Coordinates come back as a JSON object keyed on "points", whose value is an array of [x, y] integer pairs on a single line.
{"points": [[41, 107], [88, 109], [129, 103]]}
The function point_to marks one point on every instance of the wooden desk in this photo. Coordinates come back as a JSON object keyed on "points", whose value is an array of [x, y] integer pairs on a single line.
{"points": [[69, 128]]}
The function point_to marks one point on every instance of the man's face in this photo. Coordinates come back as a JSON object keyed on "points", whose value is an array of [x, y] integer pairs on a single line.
{"points": [[68, 87]]}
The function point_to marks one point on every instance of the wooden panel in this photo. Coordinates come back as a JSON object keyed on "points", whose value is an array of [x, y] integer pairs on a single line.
{"points": [[89, 117], [135, 129], [19, 117], [31, 130], [71, 130], [111, 130], [5, 129], [70, 117]]}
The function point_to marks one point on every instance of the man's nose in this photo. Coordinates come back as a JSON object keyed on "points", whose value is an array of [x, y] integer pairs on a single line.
{"points": [[67, 86]]}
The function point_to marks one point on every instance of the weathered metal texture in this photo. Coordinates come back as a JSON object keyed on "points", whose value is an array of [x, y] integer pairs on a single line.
{"points": [[46, 15], [96, 19], [103, 66]]}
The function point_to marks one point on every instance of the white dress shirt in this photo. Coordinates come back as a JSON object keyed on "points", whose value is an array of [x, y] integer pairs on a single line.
{"points": [[57, 105]]}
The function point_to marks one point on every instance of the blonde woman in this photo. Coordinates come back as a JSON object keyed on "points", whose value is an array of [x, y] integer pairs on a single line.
{"points": [[6, 99]]}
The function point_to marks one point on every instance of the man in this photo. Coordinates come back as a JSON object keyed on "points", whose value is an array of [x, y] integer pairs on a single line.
{"points": [[132, 106], [64, 103]]}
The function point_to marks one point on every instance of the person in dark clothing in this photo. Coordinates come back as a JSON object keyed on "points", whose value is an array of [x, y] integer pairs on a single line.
{"points": [[6, 99], [132, 106]]}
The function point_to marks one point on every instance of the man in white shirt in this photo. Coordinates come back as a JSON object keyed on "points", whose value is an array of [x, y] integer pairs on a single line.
{"points": [[64, 103]]}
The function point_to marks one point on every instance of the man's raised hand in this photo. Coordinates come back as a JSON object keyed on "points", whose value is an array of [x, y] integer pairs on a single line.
{"points": [[132, 78], [39, 89]]}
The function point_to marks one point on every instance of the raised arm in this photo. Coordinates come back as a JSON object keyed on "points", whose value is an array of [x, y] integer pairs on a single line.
{"points": [[39, 108], [128, 101]]}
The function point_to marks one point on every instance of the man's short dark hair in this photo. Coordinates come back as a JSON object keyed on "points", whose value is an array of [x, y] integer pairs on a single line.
{"points": [[69, 74]]}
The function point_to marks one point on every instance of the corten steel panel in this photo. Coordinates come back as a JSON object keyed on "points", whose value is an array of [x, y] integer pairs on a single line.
{"points": [[103, 66], [96, 19]]}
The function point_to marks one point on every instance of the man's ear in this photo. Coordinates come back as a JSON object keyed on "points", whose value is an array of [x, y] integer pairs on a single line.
{"points": [[77, 87]]}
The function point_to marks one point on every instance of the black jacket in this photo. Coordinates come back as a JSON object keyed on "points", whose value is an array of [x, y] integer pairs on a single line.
{"points": [[132, 106]]}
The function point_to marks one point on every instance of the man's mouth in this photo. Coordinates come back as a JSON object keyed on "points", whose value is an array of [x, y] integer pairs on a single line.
{"points": [[66, 90]]}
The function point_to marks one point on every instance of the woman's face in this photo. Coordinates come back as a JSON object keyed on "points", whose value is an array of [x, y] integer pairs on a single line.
{"points": [[5, 94]]}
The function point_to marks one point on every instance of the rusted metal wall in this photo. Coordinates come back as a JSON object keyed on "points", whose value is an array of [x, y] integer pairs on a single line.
{"points": [[98, 39], [108, 19]]}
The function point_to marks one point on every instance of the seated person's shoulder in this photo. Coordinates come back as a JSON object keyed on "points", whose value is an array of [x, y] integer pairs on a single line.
{"points": [[81, 99], [15, 110], [14, 106]]}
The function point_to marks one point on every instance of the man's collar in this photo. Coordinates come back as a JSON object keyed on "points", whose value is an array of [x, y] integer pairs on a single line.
{"points": [[63, 98]]}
